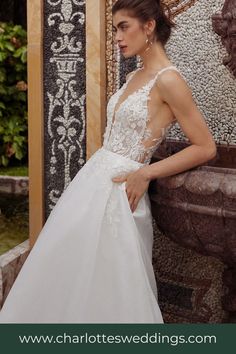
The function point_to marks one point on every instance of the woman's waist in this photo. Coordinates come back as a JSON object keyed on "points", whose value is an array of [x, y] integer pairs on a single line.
{"points": [[120, 157], [111, 164]]}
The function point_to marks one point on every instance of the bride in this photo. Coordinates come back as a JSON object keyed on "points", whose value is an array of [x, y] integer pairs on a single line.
{"points": [[92, 261]]}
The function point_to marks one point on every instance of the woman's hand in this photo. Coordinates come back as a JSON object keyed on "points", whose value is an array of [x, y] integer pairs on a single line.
{"points": [[136, 185]]}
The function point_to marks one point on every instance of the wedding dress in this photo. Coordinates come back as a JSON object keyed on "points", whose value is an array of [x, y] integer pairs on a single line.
{"points": [[92, 261]]}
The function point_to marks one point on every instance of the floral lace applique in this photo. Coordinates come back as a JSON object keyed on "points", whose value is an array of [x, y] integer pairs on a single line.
{"points": [[127, 131]]}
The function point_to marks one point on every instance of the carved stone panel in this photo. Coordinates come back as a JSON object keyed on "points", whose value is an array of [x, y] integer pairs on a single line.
{"points": [[64, 95], [224, 24]]}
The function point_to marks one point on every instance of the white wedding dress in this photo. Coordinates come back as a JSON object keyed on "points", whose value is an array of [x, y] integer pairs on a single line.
{"points": [[92, 261]]}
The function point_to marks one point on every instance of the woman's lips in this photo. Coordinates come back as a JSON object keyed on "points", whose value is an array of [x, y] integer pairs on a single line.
{"points": [[123, 48]]}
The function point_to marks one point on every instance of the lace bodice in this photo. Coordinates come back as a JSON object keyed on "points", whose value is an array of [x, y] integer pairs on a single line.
{"points": [[127, 132]]}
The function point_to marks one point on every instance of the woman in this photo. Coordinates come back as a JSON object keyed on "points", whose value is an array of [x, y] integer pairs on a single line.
{"points": [[92, 261]]}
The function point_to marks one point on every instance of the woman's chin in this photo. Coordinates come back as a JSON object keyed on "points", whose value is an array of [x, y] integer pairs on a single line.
{"points": [[127, 55]]}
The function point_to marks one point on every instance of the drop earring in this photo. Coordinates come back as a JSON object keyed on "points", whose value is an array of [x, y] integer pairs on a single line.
{"points": [[149, 43]]}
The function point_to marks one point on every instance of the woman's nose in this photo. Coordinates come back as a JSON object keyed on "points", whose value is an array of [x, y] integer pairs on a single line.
{"points": [[117, 37]]}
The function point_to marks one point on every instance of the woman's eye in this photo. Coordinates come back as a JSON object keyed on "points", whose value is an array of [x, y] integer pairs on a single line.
{"points": [[114, 30]]}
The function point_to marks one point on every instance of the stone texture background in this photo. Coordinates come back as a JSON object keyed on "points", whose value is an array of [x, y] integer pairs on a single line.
{"points": [[198, 52], [64, 95], [190, 286]]}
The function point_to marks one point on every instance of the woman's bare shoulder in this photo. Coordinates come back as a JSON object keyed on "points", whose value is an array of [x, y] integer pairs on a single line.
{"points": [[170, 75], [171, 81]]}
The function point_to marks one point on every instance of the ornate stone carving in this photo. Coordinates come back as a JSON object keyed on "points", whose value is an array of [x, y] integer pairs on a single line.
{"points": [[224, 24], [64, 102]]}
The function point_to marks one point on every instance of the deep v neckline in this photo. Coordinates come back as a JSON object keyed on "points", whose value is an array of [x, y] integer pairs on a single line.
{"points": [[118, 105]]}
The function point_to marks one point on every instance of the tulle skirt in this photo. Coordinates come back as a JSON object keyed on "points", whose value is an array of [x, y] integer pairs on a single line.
{"points": [[92, 261]]}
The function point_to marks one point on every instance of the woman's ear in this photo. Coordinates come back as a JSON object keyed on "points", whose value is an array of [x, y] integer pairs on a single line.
{"points": [[150, 26]]}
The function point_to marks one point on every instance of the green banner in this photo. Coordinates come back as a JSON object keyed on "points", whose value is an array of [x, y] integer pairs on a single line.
{"points": [[120, 338]]}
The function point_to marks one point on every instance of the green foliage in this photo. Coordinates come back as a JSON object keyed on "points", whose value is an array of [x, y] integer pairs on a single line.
{"points": [[14, 170], [13, 93]]}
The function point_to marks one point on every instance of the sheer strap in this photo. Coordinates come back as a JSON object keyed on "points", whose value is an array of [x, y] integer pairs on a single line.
{"points": [[152, 81], [131, 74], [167, 68], [171, 67]]}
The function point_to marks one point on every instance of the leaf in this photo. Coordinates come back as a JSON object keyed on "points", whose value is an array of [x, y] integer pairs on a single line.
{"points": [[5, 160], [3, 56], [3, 90], [15, 146], [6, 138], [19, 154], [18, 52], [2, 105], [2, 75], [24, 57], [10, 46]]}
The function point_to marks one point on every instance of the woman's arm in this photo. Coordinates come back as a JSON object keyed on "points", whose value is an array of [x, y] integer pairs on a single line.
{"points": [[177, 94]]}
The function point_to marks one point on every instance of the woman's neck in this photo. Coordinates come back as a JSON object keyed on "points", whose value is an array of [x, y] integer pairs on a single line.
{"points": [[155, 58]]}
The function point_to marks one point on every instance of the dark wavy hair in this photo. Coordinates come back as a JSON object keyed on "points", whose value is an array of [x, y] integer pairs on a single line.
{"points": [[145, 10]]}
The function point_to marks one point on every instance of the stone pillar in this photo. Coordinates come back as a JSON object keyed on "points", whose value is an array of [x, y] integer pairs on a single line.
{"points": [[35, 117], [67, 85]]}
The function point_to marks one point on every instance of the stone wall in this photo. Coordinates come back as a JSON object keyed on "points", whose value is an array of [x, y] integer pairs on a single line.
{"points": [[198, 52]]}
